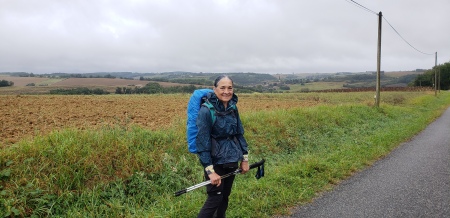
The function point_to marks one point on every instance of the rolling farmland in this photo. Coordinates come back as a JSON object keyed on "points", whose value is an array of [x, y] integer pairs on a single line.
{"points": [[29, 115], [44, 85]]}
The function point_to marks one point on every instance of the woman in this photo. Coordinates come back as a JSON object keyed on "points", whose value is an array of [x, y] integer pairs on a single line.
{"points": [[220, 146]]}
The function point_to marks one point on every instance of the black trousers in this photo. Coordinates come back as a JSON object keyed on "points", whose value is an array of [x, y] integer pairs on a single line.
{"points": [[217, 202]]}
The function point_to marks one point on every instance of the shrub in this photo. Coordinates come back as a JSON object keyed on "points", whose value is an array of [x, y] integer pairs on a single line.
{"points": [[79, 91], [4, 83]]}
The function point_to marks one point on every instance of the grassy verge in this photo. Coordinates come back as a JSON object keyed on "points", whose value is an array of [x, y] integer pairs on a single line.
{"points": [[132, 172]]}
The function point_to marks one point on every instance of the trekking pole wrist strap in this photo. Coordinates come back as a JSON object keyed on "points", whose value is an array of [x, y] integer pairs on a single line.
{"points": [[209, 169]]}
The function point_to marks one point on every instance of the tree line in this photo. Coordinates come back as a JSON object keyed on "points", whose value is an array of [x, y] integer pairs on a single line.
{"points": [[79, 91], [428, 78], [151, 88], [156, 88]]}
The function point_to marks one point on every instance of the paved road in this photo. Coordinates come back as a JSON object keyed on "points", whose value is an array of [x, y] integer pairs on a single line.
{"points": [[413, 181]]}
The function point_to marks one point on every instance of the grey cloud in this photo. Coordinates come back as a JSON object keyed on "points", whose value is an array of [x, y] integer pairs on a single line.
{"points": [[266, 36]]}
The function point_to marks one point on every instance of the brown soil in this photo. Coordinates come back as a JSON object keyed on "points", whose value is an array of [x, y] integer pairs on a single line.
{"points": [[24, 116]]}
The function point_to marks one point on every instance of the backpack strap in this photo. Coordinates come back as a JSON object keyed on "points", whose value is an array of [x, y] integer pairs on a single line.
{"points": [[212, 110]]}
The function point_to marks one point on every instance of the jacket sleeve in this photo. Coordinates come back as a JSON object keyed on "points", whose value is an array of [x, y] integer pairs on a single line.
{"points": [[240, 136], [203, 140]]}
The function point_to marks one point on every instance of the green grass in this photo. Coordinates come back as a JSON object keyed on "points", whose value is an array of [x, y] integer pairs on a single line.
{"points": [[133, 172]]}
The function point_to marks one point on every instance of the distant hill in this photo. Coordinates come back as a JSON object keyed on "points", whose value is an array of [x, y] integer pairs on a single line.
{"points": [[28, 83], [242, 79]]}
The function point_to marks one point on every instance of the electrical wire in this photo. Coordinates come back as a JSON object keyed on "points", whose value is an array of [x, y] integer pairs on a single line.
{"points": [[361, 6], [373, 12], [405, 39]]}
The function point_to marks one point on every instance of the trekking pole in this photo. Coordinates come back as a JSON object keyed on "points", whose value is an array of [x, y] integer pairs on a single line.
{"points": [[259, 174]]}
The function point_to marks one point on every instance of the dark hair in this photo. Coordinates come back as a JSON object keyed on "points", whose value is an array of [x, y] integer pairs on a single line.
{"points": [[220, 78]]}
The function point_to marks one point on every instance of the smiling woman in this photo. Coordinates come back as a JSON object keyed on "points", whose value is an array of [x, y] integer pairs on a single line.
{"points": [[223, 88], [220, 146]]}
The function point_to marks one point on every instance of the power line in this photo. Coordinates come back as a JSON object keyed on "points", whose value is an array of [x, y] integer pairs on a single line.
{"points": [[373, 12], [361, 6], [405, 39]]}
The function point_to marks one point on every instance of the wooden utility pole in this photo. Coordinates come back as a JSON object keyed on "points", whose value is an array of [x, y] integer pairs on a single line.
{"points": [[435, 74], [377, 96], [439, 79]]}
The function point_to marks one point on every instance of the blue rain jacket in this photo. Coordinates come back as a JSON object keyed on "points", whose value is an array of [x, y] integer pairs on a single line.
{"points": [[224, 141]]}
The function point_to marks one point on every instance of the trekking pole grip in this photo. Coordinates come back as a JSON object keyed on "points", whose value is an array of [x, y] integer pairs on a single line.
{"points": [[257, 164]]}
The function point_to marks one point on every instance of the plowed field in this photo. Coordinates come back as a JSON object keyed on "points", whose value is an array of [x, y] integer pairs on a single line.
{"points": [[24, 116]]}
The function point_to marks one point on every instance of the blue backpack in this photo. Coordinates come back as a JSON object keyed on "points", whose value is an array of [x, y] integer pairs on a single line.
{"points": [[194, 105], [197, 100]]}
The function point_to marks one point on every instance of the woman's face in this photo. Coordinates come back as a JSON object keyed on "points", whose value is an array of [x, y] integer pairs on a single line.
{"points": [[224, 90]]}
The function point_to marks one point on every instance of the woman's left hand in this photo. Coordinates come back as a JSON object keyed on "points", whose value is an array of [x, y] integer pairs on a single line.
{"points": [[244, 167]]}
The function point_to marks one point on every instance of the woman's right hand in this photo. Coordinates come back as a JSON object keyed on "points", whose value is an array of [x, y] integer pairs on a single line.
{"points": [[215, 179]]}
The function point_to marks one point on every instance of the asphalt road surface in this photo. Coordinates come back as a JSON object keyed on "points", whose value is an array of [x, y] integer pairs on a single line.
{"points": [[412, 181]]}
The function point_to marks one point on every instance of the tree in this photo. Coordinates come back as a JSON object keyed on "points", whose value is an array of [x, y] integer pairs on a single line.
{"points": [[284, 87], [445, 75], [427, 79], [152, 88], [424, 80], [4, 83]]}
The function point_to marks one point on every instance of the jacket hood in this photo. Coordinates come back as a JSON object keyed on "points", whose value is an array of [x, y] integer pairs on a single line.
{"points": [[212, 98]]}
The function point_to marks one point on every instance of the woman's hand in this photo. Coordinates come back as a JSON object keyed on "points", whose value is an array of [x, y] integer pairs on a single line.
{"points": [[215, 179], [244, 167]]}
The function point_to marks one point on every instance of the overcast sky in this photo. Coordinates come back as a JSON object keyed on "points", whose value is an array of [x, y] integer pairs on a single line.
{"points": [[261, 36]]}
